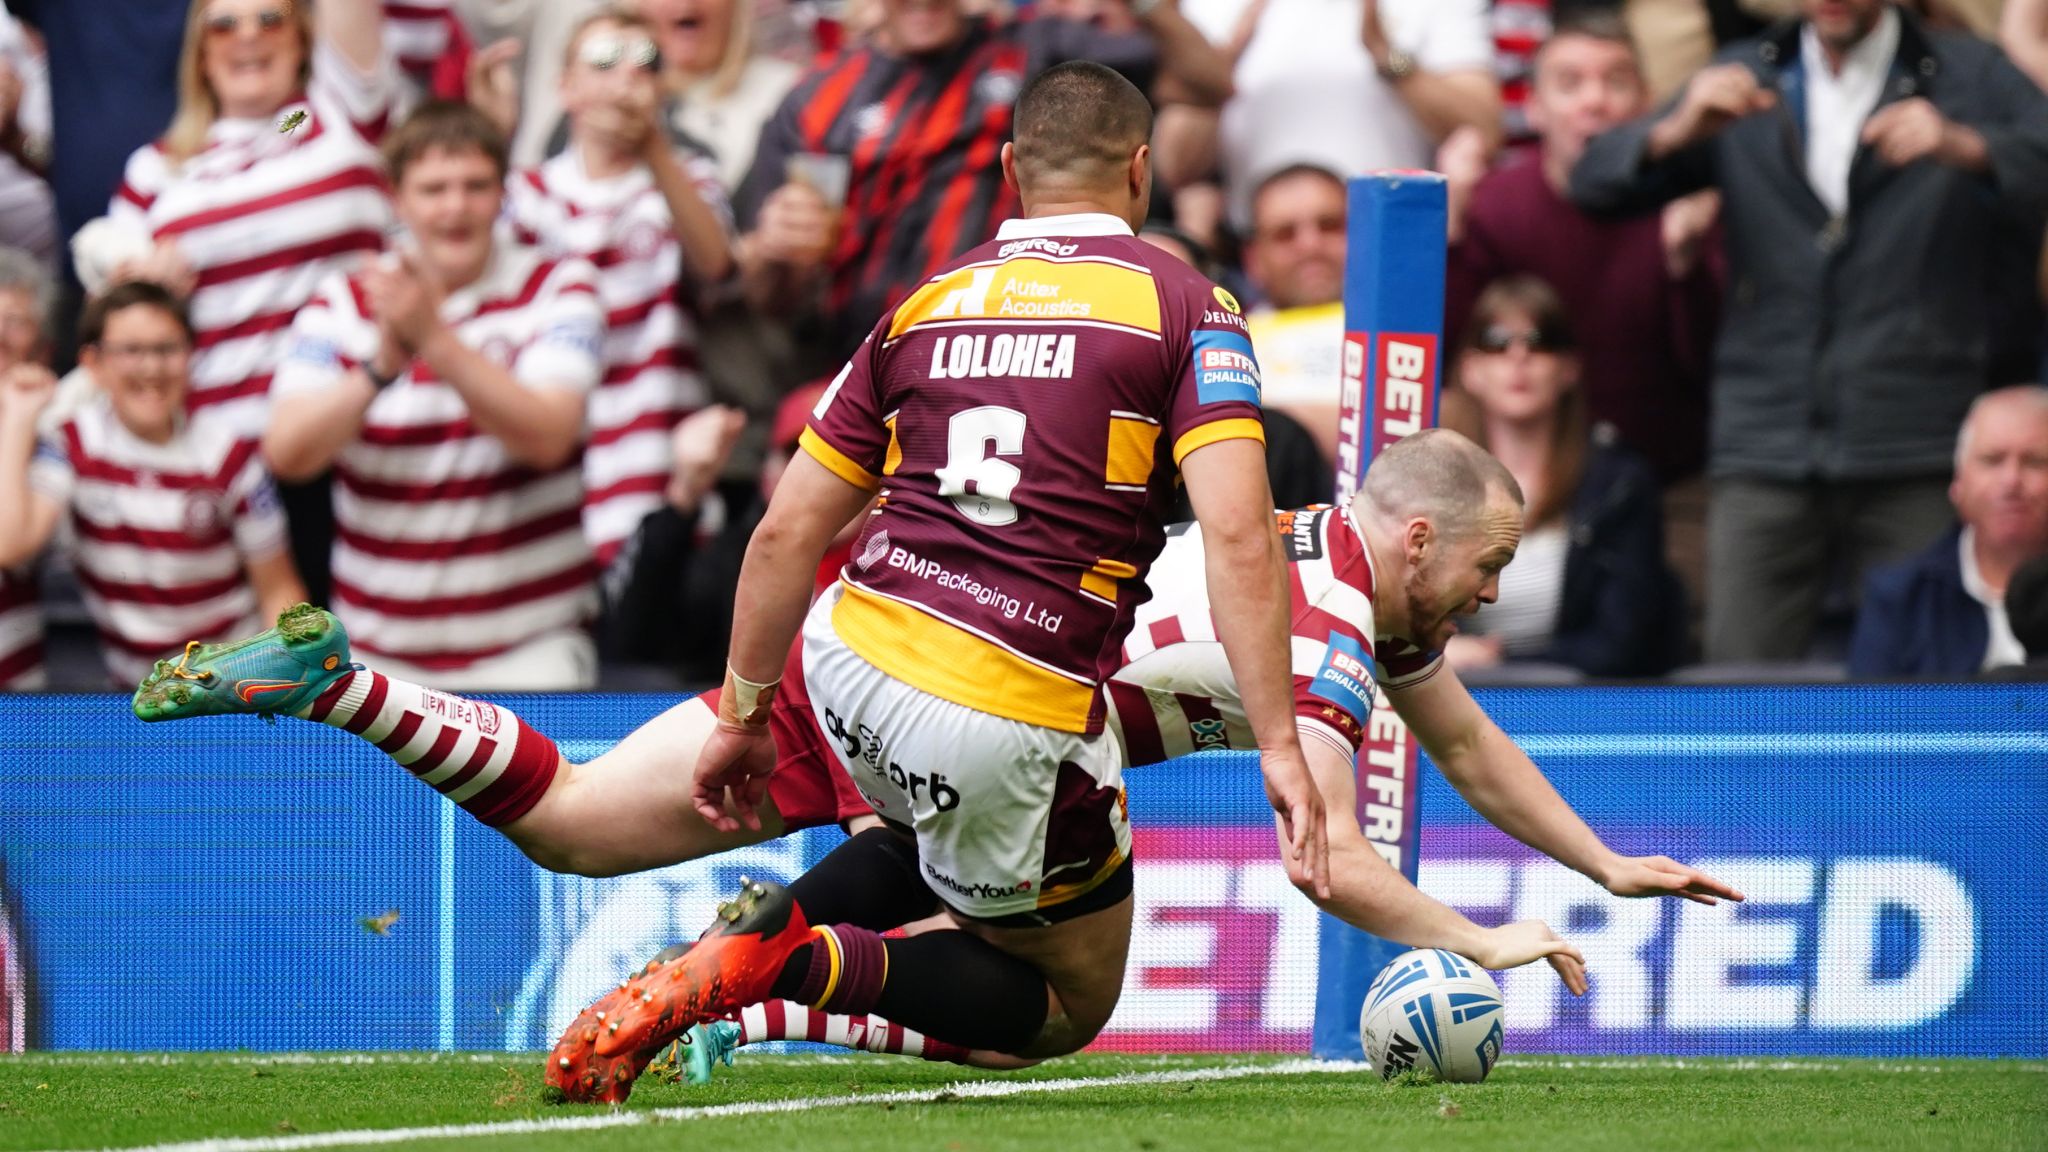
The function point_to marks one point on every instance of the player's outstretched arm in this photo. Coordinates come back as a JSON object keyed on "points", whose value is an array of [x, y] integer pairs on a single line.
{"points": [[811, 504], [1248, 595], [1367, 893], [1502, 784]]}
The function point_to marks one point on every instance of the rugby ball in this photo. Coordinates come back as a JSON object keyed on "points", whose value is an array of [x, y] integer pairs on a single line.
{"points": [[1433, 1012]]}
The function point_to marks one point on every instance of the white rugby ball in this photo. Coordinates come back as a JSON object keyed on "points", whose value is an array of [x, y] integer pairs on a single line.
{"points": [[1432, 1011]]}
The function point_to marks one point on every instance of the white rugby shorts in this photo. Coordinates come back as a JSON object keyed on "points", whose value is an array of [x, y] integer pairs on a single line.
{"points": [[1012, 820]]}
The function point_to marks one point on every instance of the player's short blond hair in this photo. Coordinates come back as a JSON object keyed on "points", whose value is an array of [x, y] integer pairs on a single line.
{"points": [[1437, 475]]}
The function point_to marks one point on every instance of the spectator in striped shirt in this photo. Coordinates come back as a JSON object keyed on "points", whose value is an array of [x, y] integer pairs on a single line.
{"points": [[718, 86], [654, 223], [266, 181], [250, 204], [26, 298], [445, 383], [883, 164], [174, 527], [428, 43]]}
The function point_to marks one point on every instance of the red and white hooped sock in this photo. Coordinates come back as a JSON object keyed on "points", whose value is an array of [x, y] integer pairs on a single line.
{"points": [[788, 1020], [476, 754]]}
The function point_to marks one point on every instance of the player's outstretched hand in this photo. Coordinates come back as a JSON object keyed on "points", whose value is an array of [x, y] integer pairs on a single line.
{"points": [[732, 776], [1663, 876], [1527, 941], [1299, 804]]}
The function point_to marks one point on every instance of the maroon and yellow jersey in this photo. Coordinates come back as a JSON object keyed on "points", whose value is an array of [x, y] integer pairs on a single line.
{"points": [[1024, 414]]}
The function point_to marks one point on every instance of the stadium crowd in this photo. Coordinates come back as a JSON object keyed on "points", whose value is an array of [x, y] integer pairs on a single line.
{"points": [[491, 323]]}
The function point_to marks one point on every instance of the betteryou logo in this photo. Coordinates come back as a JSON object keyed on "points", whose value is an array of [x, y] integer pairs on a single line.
{"points": [[976, 891]]}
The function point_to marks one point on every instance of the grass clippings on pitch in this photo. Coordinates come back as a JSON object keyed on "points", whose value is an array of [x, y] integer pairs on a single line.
{"points": [[82, 1101]]}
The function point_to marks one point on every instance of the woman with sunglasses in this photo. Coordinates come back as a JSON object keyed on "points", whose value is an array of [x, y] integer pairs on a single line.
{"points": [[1588, 588], [267, 180]]}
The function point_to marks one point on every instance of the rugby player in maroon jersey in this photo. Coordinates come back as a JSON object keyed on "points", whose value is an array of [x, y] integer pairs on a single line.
{"points": [[1024, 624], [1023, 417], [1355, 587]]}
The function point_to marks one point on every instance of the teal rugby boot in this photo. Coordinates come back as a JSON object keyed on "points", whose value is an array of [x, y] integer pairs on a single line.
{"points": [[275, 672], [706, 1046]]}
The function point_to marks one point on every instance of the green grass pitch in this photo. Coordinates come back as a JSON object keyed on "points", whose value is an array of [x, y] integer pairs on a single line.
{"points": [[1169, 1104]]}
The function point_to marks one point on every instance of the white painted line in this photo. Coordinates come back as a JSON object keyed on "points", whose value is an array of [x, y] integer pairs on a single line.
{"points": [[966, 1090]]}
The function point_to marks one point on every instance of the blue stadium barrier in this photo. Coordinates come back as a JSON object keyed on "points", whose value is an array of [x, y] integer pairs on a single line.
{"points": [[206, 884]]}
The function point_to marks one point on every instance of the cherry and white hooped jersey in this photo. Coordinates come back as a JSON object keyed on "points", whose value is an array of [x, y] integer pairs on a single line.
{"points": [[1175, 693], [263, 213], [622, 226], [161, 534], [21, 633], [447, 551], [417, 35]]}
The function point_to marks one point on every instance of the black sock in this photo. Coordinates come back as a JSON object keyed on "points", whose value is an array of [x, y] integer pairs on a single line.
{"points": [[946, 984], [964, 989], [870, 881]]}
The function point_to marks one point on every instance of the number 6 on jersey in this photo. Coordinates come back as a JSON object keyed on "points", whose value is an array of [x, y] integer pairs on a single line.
{"points": [[980, 483]]}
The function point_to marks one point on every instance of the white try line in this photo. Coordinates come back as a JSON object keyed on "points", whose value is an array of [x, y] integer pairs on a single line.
{"points": [[966, 1090]]}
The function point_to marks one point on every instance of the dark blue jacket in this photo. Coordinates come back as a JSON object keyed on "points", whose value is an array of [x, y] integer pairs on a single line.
{"points": [[1622, 611], [1916, 619], [1851, 346]]}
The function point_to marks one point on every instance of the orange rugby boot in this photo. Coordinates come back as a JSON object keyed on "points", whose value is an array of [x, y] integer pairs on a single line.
{"points": [[577, 1072], [732, 965]]}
